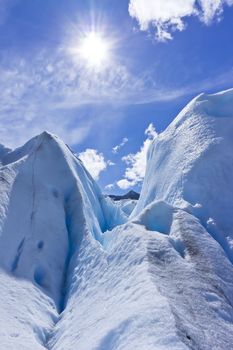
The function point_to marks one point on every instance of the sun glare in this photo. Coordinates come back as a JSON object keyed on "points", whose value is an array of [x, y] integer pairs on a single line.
{"points": [[94, 49]]}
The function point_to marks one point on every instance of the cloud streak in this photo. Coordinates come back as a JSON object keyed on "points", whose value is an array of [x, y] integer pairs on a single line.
{"points": [[44, 93], [117, 148]]}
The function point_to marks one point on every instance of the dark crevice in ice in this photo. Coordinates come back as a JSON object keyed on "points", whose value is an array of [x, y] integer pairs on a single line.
{"points": [[17, 257]]}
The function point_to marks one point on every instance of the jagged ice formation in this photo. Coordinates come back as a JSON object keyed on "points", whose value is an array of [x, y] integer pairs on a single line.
{"points": [[80, 272]]}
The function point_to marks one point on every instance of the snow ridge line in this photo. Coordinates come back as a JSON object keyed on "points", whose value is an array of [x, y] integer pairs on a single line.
{"points": [[33, 186]]}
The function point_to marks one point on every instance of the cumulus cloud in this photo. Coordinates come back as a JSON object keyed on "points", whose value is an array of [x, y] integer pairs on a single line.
{"points": [[136, 163], [94, 162], [124, 184], [170, 15], [118, 147]]}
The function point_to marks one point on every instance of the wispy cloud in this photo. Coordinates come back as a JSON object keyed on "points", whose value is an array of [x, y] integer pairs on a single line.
{"points": [[118, 147], [136, 163], [169, 16], [44, 93]]}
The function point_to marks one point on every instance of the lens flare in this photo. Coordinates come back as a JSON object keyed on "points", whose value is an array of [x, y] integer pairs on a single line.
{"points": [[94, 49]]}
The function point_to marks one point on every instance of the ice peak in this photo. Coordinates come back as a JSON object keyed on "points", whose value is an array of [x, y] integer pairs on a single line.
{"points": [[191, 161], [45, 139], [48, 135]]}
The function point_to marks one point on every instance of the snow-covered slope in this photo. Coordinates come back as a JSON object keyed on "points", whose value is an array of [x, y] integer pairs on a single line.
{"points": [[48, 203], [44, 210], [77, 273], [187, 197], [191, 164]]}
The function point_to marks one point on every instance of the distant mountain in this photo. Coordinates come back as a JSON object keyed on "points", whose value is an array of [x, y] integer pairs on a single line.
{"points": [[128, 195]]}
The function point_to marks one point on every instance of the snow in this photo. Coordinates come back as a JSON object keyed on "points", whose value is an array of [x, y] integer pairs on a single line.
{"points": [[41, 194], [112, 298], [48, 203], [78, 271], [126, 206], [27, 314], [191, 163]]}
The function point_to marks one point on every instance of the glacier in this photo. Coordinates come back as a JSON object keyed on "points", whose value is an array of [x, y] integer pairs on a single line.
{"points": [[79, 271]]}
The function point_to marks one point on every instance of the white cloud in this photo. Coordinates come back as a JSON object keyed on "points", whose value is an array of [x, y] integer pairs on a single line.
{"points": [[124, 184], [150, 131], [110, 163], [94, 162], [136, 163], [109, 187], [118, 147], [169, 16]]}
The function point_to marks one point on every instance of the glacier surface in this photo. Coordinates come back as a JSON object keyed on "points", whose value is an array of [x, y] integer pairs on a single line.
{"points": [[78, 271]]}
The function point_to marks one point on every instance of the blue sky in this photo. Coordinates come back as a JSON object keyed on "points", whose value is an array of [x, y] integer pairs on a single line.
{"points": [[161, 54]]}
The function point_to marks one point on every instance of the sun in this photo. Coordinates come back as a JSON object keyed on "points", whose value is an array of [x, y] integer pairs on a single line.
{"points": [[94, 49]]}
